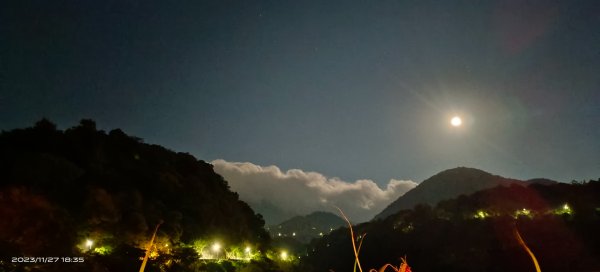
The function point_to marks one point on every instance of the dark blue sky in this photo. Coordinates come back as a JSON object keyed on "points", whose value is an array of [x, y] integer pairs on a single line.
{"points": [[354, 89]]}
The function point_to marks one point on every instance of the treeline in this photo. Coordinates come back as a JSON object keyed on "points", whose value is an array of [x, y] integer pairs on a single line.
{"points": [[63, 191], [559, 222]]}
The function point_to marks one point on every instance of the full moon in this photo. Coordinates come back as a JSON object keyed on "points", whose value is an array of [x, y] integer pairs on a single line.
{"points": [[456, 121]]}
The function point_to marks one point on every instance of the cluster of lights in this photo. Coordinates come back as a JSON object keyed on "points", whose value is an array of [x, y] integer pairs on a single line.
{"points": [[294, 233], [481, 214], [523, 212], [214, 251], [217, 250], [564, 210]]}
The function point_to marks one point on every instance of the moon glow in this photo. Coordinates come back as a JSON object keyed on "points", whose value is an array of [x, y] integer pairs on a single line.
{"points": [[456, 121]]}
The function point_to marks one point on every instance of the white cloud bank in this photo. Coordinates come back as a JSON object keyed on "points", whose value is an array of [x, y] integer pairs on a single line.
{"points": [[298, 192]]}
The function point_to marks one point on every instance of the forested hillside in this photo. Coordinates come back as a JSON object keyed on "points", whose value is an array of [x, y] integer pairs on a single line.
{"points": [[85, 192], [559, 222]]}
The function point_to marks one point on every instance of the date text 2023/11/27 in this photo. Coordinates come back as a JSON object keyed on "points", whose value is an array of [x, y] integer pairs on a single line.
{"points": [[47, 259]]}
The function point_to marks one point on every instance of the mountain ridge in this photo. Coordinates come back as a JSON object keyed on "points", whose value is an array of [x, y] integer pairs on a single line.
{"points": [[307, 227], [119, 186], [447, 184]]}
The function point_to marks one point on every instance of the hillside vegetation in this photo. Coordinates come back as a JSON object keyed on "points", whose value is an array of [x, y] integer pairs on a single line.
{"points": [[559, 222], [85, 192], [447, 184]]}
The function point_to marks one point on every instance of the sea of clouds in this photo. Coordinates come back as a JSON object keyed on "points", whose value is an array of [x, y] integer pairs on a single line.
{"points": [[298, 192]]}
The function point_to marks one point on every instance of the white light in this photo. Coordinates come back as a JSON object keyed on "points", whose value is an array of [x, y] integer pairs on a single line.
{"points": [[89, 243], [284, 255], [247, 250], [216, 247], [456, 121], [293, 234]]}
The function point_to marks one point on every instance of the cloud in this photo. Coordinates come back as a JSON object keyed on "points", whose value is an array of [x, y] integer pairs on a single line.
{"points": [[296, 192]]}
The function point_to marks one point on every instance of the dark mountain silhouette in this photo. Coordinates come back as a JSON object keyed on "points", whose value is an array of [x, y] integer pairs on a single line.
{"points": [[559, 223], [60, 187], [270, 212], [543, 181], [308, 227], [446, 185]]}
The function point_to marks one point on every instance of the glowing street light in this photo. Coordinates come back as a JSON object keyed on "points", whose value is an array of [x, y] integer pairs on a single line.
{"points": [[284, 255], [564, 210], [216, 247], [247, 250], [89, 243]]}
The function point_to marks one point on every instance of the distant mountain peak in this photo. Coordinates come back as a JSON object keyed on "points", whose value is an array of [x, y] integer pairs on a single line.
{"points": [[445, 185], [543, 181], [306, 227], [462, 170]]}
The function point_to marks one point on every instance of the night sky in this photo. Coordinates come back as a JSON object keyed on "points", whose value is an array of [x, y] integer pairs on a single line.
{"points": [[349, 89]]}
